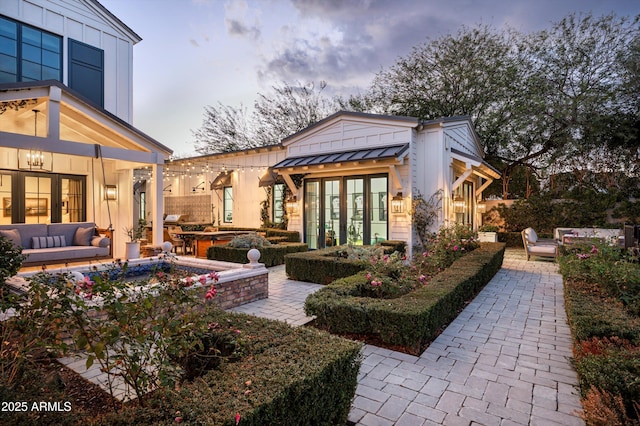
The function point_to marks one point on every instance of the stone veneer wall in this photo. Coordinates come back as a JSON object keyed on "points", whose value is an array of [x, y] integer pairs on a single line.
{"points": [[242, 290]]}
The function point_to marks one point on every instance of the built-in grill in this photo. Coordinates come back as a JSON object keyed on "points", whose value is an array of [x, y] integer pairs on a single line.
{"points": [[175, 219]]}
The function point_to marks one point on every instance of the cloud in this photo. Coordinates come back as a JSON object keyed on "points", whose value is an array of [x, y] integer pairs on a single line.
{"points": [[194, 42], [239, 29]]}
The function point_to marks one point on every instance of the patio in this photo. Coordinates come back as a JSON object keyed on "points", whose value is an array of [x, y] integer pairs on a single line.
{"points": [[506, 359]]}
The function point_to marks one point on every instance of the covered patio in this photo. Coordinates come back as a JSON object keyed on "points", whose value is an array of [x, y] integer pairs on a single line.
{"points": [[75, 160]]}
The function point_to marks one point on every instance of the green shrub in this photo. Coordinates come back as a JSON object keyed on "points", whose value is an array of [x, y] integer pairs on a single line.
{"points": [[249, 241], [291, 236], [413, 318], [616, 371], [270, 255]]}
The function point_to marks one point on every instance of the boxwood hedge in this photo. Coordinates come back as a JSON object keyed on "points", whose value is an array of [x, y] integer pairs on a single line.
{"points": [[410, 320], [269, 255], [326, 265], [286, 376]]}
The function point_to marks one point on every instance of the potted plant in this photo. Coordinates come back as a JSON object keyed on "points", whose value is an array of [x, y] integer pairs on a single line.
{"points": [[135, 235], [488, 234]]}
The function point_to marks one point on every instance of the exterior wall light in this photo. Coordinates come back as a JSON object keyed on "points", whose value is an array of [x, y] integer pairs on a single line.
{"points": [[481, 207], [292, 204], [397, 203], [110, 192]]}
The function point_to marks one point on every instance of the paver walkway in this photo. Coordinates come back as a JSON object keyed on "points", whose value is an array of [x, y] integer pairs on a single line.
{"points": [[505, 360]]}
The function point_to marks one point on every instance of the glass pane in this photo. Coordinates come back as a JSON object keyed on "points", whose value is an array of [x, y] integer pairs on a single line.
{"points": [[228, 204], [51, 42], [379, 209], [72, 201], [332, 212], [50, 59], [31, 71], [8, 29], [8, 77], [355, 210], [312, 213], [5, 196], [278, 202], [8, 46], [31, 53], [31, 36], [37, 199], [8, 64], [50, 74]]}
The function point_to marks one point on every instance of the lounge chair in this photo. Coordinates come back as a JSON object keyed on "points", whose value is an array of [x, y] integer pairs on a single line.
{"points": [[536, 247]]}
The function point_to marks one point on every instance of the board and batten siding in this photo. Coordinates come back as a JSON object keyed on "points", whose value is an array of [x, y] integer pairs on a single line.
{"points": [[84, 21], [348, 135]]}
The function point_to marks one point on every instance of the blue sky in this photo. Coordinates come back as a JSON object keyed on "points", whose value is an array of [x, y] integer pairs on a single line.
{"points": [[204, 52]]}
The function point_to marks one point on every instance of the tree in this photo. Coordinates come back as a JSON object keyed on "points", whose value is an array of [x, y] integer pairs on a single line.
{"points": [[285, 111], [535, 99]]}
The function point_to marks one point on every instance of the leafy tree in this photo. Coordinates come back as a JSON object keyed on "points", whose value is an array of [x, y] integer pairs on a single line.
{"points": [[537, 100], [287, 110]]}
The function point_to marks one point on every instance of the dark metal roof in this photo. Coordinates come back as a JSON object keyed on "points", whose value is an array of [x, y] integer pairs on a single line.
{"points": [[339, 157]]}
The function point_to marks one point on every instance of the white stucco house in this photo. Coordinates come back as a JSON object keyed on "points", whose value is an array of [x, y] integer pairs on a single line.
{"points": [[67, 140], [353, 175]]}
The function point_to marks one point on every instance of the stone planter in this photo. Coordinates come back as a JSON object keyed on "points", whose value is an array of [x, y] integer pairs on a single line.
{"points": [[133, 250], [488, 237]]}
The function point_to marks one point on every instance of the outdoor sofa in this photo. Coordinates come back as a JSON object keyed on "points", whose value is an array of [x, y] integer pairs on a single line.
{"points": [[57, 242]]}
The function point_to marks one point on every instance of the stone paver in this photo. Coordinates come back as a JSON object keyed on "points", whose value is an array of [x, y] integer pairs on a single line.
{"points": [[505, 360]]}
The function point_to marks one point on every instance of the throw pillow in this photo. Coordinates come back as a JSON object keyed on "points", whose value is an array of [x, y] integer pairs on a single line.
{"points": [[12, 235], [46, 242], [83, 236]]}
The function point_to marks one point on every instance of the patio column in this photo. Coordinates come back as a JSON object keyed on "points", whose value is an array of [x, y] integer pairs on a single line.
{"points": [[158, 204]]}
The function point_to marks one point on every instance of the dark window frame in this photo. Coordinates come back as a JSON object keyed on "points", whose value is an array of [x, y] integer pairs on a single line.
{"points": [[41, 47]]}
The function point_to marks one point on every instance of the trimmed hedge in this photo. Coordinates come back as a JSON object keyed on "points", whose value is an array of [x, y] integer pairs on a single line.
{"points": [[269, 255], [415, 318], [286, 376], [325, 265], [290, 236]]}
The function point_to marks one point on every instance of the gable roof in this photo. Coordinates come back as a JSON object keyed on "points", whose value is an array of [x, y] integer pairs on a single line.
{"points": [[135, 38]]}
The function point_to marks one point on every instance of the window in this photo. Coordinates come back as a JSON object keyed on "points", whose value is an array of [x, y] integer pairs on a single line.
{"points": [[227, 209], [142, 213], [29, 197], [86, 71], [278, 202], [28, 54]]}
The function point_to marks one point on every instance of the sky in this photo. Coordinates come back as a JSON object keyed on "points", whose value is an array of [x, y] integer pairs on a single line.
{"points": [[196, 53]]}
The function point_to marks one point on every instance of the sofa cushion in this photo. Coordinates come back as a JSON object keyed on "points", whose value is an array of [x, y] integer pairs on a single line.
{"points": [[83, 236], [98, 241], [12, 235], [47, 242], [532, 237]]}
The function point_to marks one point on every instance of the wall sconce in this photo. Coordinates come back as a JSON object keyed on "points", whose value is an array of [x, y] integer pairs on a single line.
{"points": [[481, 207], [199, 186], [292, 204], [397, 203], [110, 192], [458, 204]]}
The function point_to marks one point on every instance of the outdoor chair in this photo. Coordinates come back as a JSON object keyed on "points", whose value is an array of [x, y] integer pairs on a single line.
{"points": [[536, 247], [177, 242]]}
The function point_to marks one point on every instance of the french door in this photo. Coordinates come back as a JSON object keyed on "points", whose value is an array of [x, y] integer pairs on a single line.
{"points": [[341, 210]]}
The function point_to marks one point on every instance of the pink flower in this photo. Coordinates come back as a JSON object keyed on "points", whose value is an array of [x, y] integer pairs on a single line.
{"points": [[237, 418], [211, 293], [376, 283], [178, 419], [214, 275], [189, 281], [425, 254], [385, 257], [455, 248], [202, 279], [583, 256], [368, 276], [422, 278], [594, 249]]}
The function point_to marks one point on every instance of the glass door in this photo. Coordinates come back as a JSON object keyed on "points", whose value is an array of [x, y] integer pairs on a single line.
{"points": [[355, 209], [332, 212], [37, 199], [312, 214], [379, 208]]}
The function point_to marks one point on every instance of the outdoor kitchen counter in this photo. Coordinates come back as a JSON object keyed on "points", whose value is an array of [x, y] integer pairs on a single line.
{"points": [[204, 240]]}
